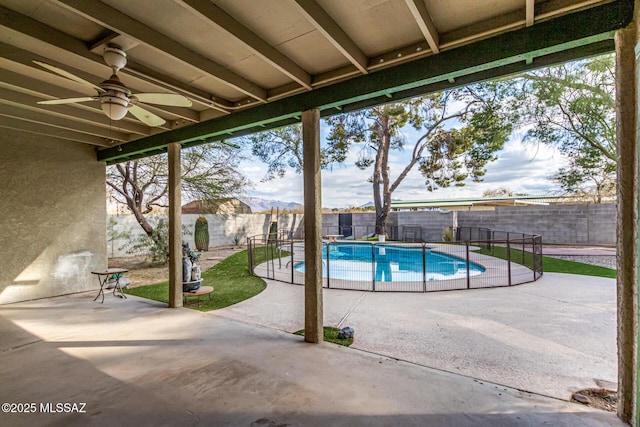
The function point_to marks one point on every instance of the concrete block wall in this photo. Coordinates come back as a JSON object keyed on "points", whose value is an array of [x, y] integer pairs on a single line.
{"points": [[364, 224], [561, 224], [602, 224], [330, 224], [52, 217], [432, 223]]}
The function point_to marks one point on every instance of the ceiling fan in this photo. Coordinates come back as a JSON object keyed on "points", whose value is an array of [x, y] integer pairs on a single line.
{"points": [[116, 99]]}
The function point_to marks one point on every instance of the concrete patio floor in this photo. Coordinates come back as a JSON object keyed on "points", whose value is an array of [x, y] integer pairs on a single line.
{"points": [[551, 337], [134, 362]]}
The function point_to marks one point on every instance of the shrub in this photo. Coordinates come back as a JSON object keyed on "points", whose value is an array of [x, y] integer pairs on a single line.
{"points": [[156, 246], [447, 235]]}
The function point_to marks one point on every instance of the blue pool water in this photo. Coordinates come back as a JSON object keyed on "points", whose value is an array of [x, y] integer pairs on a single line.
{"points": [[353, 261]]}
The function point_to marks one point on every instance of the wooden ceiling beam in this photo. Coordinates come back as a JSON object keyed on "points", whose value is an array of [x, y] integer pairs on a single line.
{"points": [[550, 8], [47, 118], [425, 23], [196, 95], [523, 17], [18, 123], [482, 29], [333, 33], [530, 12], [149, 75], [562, 39], [27, 91], [53, 37], [258, 46], [121, 23], [60, 40]]}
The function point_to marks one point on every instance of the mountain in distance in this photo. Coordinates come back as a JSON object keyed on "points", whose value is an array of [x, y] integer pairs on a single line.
{"points": [[261, 205], [366, 205]]}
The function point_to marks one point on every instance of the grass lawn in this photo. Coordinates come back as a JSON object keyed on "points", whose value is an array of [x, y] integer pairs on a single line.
{"points": [[550, 264], [230, 279], [331, 335]]}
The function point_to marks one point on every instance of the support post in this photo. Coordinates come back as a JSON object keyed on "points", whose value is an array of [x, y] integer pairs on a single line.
{"points": [[313, 311], [175, 227], [626, 40]]}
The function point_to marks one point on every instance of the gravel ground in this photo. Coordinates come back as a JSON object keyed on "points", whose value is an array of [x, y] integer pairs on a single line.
{"points": [[608, 261]]}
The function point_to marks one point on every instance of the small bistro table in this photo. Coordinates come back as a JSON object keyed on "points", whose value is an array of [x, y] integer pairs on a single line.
{"points": [[103, 278]]}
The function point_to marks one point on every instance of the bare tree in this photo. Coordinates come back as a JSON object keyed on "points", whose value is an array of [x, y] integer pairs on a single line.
{"points": [[209, 172]]}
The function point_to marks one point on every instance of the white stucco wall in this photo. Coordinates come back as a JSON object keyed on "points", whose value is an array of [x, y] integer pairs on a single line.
{"points": [[52, 217], [223, 229]]}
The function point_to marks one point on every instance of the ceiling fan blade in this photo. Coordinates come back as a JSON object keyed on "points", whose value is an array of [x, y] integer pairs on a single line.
{"points": [[68, 100], [170, 99], [147, 117], [70, 76]]}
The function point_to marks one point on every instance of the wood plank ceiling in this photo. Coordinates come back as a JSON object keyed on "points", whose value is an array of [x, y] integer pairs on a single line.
{"points": [[251, 64]]}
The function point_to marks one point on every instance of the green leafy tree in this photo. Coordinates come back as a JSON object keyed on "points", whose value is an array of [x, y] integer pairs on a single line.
{"points": [[591, 176], [572, 107], [460, 131], [281, 149], [209, 172]]}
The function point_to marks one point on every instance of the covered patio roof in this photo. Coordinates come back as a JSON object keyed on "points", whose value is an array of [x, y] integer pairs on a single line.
{"points": [[248, 66]]}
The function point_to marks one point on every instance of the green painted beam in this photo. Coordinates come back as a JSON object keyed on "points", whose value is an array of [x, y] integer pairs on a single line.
{"points": [[600, 48], [504, 54], [595, 49]]}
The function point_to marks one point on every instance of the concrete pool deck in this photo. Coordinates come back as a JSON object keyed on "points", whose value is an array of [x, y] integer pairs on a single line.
{"points": [[551, 337], [135, 362]]}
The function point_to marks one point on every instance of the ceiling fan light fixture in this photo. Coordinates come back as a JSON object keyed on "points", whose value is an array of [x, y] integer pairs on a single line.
{"points": [[115, 108], [115, 98], [115, 57]]}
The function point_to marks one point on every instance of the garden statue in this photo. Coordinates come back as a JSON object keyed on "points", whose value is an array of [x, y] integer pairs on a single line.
{"points": [[191, 279]]}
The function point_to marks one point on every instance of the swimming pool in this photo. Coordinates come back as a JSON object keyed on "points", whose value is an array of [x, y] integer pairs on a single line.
{"points": [[389, 263]]}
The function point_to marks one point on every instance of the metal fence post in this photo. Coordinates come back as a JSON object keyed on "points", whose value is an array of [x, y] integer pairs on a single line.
{"points": [[424, 268], [250, 258], [328, 276], [373, 267], [523, 248], [272, 254], [493, 239], [468, 266], [508, 259], [278, 248], [266, 256], [292, 261], [533, 257]]}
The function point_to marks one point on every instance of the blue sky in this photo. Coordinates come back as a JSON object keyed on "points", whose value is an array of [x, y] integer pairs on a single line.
{"points": [[521, 167]]}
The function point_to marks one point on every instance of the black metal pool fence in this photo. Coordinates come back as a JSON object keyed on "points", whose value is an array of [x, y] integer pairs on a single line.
{"points": [[475, 258]]}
